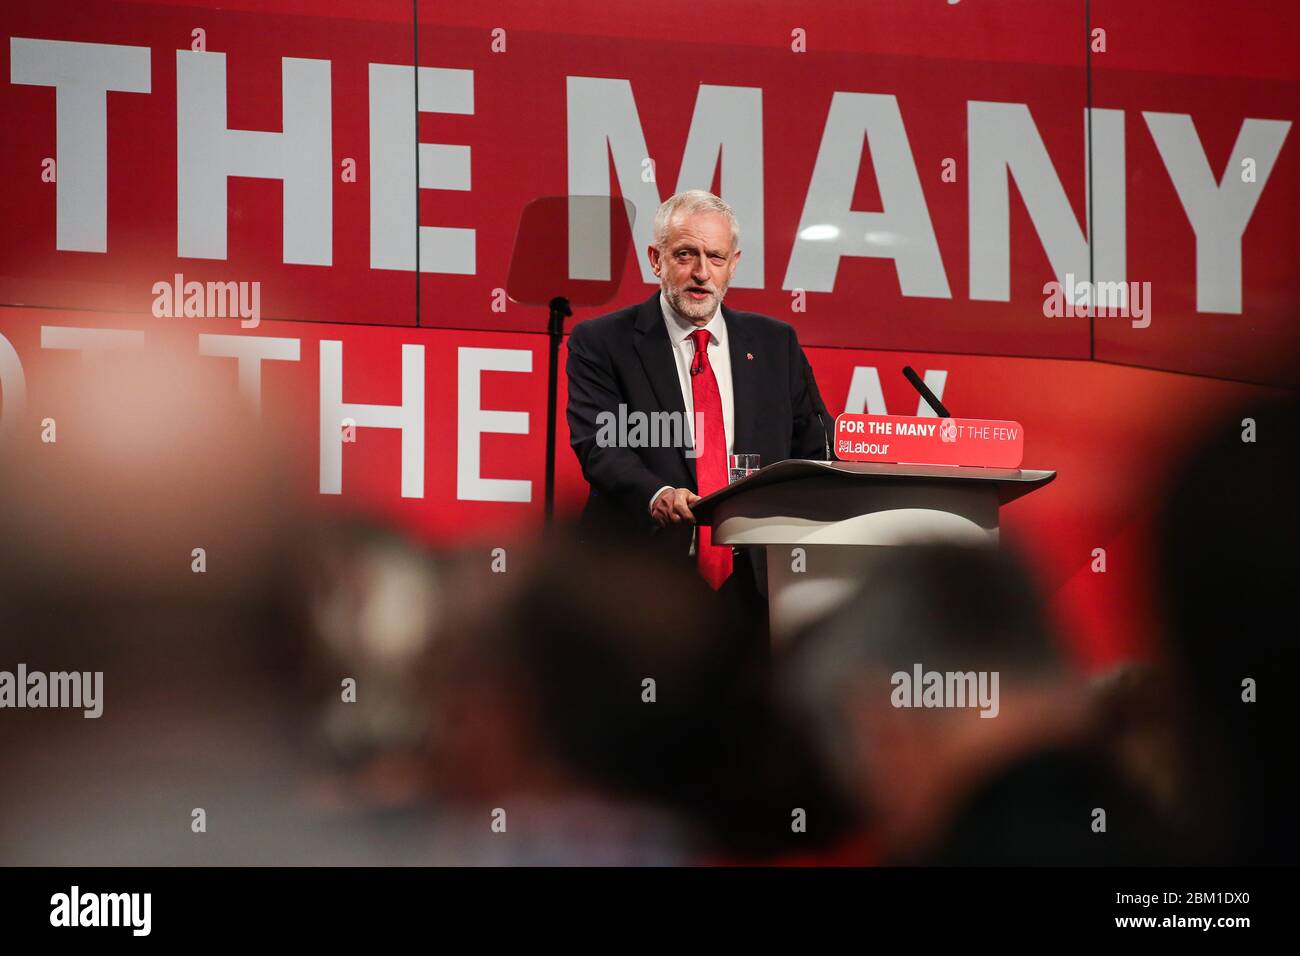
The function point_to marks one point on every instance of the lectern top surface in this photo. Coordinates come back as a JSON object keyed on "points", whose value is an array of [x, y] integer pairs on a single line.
{"points": [[1011, 482]]}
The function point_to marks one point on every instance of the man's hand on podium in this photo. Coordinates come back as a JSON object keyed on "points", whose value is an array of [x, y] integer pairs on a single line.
{"points": [[673, 506]]}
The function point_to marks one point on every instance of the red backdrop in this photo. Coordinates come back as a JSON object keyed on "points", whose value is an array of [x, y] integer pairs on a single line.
{"points": [[908, 176]]}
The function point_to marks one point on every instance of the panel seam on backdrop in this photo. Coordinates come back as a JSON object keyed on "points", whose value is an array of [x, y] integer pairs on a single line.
{"points": [[977, 355], [1092, 222], [415, 122]]}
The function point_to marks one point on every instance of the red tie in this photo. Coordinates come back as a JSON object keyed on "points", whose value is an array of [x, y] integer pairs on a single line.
{"points": [[711, 466]]}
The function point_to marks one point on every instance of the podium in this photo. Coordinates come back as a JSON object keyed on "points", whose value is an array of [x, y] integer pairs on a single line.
{"points": [[845, 515]]}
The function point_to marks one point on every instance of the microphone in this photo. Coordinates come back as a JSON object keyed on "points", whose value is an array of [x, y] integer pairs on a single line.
{"points": [[816, 396], [910, 374]]}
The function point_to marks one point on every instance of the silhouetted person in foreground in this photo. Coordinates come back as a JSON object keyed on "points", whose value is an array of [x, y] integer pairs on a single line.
{"points": [[594, 705], [150, 544], [1226, 554], [955, 768]]}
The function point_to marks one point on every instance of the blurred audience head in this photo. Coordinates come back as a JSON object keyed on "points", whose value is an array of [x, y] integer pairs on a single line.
{"points": [[371, 599], [940, 675], [127, 463], [602, 699], [588, 701], [146, 540], [1225, 549]]}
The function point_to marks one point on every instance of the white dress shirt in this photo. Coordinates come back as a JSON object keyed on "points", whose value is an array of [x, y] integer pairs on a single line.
{"points": [[679, 334]]}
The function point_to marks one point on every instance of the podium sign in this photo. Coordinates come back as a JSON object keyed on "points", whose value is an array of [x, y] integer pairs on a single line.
{"points": [[904, 439]]}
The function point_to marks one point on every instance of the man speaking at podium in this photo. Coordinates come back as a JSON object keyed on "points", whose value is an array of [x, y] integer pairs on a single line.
{"points": [[740, 376]]}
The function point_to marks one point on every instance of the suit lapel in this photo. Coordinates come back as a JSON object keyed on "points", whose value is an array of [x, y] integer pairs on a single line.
{"points": [[653, 348], [743, 381], [656, 354]]}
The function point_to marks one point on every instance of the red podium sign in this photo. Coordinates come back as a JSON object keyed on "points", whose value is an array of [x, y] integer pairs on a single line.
{"points": [[903, 439]]}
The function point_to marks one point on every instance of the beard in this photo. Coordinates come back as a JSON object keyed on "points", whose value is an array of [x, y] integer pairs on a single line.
{"points": [[692, 308]]}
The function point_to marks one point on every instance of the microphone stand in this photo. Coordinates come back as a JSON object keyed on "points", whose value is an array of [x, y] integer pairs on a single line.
{"points": [[560, 311], [815, 396]]}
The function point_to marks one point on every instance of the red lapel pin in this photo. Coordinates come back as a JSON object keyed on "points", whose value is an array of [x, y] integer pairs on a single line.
{"points": [[750, 356]]}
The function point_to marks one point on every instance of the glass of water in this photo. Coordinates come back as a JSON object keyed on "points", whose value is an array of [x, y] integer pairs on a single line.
{"points": [[741, 466]]}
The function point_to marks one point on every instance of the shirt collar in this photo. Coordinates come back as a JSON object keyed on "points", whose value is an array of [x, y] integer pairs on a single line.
{"points": [[680, 328]]}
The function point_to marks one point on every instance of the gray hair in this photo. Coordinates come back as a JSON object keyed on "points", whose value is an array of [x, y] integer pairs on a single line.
{"points": [[688, 202]]}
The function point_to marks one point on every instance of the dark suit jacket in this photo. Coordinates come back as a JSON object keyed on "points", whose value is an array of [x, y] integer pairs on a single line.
{"points": [[626, 358]]}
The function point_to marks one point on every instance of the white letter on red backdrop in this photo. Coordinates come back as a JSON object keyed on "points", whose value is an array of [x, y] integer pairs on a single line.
{"points": [[395, 168], [251, 351], [92, 343], [867, 397], [1003, 142], [603, 120], [472, 420], [408, 416], [13, 388], [82, 75], [207, 153], [1218, 214], [829, 228]]}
